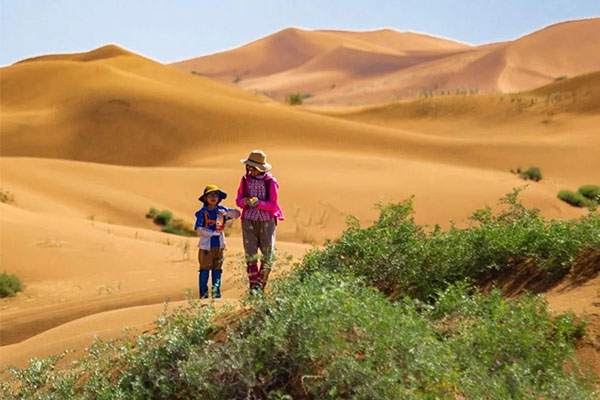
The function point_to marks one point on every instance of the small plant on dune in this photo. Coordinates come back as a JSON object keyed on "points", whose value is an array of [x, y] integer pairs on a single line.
{"points": [[169, 224], [163, 217], [532, 173], [560, 78], [574, 198], [179, 227], [591, 192], [151, 213], [297, 98], [9, 285], [6, 197], [237, 79]]}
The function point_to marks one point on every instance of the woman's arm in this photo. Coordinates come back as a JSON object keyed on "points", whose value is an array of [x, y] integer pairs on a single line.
{"points": [[240, 199]]}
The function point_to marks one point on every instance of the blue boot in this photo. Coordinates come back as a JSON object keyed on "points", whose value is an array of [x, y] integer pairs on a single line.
{"points": [[216, 283], [203, 283]]}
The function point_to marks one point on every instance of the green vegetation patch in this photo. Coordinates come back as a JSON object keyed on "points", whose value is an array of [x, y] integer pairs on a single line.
{"points": [[402, 258], [9, 285], [532, 173], [574, 198], [384, 312], [168, 224], [591, 192]]}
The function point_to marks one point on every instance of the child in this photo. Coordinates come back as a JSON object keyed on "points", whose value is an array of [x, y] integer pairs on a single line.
{"points": [[257, 196], [210, 225]]}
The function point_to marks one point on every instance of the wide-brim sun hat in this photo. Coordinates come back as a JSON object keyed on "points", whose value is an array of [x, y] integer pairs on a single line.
{"points": [[212, 189], [258, 160]]}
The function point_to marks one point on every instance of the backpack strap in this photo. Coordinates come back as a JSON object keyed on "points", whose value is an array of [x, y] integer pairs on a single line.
{"points": [[206, 219]]}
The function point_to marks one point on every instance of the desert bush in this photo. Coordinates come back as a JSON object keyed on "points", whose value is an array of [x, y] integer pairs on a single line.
{"points": [[591, 192], [330, 336], [9, 285], [295, 99], [532, 173], [6, 197], [333, 329], [163, 217], [573, 198], [402, 258], [151, 213], [179, 227]]}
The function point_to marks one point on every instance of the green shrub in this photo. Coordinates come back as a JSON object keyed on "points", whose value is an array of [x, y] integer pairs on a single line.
{"points": [[163, 217], [9, 285], [573, 198], [151, 213], [179, 227], [591, 192], [533, 174], [402, 258], [328, 336], [295, 99], [6, 197]]}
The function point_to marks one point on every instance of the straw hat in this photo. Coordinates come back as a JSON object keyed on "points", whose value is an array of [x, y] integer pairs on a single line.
{"points": [[211, 189], [258, 160]]}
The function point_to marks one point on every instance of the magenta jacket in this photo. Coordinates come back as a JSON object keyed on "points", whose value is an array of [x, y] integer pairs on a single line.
{"points": [[270, 205]]}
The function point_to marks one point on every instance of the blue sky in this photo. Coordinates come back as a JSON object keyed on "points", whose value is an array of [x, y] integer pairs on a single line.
{"points": [[179, 29]]}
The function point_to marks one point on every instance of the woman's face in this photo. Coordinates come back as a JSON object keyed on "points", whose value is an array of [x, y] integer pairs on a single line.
{"points": [[252, 170]]}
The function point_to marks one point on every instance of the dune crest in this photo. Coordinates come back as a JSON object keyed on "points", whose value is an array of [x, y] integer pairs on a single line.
{"points": [[346, 68]]}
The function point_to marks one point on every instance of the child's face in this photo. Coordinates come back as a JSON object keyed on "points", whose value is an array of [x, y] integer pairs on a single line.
{"points": [[212, 199]]}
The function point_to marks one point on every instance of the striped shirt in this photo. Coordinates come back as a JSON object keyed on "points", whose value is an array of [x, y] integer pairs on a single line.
{"points": [[256, 188]]}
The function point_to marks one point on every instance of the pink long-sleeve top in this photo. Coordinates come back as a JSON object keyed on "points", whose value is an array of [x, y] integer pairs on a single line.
{"points": [[267, 205]]}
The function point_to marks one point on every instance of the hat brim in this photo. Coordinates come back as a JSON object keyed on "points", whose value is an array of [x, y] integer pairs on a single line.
{"points": [[222, 195], [261, 167]]}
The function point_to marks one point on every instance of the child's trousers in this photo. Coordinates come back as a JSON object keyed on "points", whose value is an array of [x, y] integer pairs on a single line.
{"points": [[211, 263], [259, 235]]}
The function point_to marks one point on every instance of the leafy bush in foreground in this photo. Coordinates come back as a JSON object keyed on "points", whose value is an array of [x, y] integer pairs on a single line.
{"points": [[404, 259], [326, 332], [9, 285], [327, 336]]}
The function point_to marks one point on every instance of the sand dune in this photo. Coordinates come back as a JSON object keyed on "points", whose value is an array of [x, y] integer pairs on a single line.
{"points": [[341, 68], [292, 47], [91, 141]]}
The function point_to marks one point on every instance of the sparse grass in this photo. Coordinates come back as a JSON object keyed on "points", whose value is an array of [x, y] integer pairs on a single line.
{"points": [[574, 198], [590, 192], [9, 285], [297, 98], [6, 197]]}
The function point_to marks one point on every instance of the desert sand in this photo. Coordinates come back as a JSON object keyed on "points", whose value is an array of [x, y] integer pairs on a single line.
{"points": [[345, 68], [91, 141]]}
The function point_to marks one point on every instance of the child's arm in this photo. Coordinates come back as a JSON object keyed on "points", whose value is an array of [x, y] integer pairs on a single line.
{"points": [[271, 203], [230, 213], [240, 200]]}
